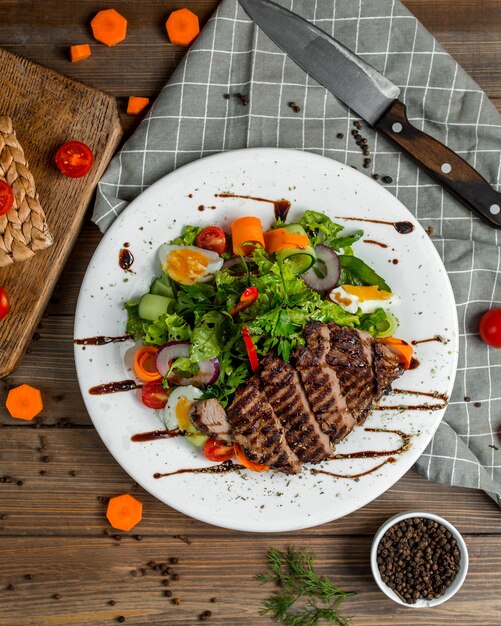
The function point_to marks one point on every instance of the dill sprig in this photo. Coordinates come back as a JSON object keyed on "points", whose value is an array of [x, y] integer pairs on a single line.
{"points": [[293, 572]]}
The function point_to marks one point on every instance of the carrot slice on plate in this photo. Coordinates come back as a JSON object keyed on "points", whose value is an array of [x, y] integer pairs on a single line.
{"points": [[403, 349], [145, 364], [281, 239], [252, 465], [246, 232]]}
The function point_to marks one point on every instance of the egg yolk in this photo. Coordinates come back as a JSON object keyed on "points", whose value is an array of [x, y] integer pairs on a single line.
{"points": [[183, 406], [367, 293], [339, 298], [186, 266]]}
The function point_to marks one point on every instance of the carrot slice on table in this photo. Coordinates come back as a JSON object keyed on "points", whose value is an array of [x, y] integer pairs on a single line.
{"points": [[281, 239], [109, 27], [246, 230], [403, 349], [80, 52], [252, 465], [145, 365], [124, 511], [182, 27], [136, 105], [24, 402]]}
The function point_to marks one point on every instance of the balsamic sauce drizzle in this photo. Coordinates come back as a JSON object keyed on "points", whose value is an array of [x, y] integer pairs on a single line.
{"points": [[375, 243], [353, 476], [101, 340], [121, 385], [438, 338], [125, 259], [222, 468], [415, 407], [404, 228], [371, 454], [281, 207], [153, 435]]}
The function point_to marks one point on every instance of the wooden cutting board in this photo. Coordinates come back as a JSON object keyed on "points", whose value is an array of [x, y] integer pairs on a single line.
{"points": [[47, 110]]}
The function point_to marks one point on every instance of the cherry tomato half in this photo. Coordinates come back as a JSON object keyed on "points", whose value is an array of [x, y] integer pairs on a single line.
{"points": [[74, 159], [4, 303], [490, 328], [211, 238], [217, 451], [6, 197], [154, 396]]}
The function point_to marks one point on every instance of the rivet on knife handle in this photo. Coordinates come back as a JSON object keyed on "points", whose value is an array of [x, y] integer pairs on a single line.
{"points": [[440, 162]]}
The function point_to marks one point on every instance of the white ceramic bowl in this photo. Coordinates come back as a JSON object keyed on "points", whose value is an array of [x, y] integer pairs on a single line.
{"points": [[456, 583]]}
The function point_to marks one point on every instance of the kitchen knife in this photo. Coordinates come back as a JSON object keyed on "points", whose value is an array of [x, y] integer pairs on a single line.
{"points": [[375, 98]]}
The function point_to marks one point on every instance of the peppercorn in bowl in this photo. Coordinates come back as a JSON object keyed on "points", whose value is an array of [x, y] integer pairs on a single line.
{"points": [[418, 559]]}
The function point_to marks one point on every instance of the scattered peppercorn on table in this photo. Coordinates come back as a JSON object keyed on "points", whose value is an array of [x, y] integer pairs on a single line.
{"points": [[62, 561]]}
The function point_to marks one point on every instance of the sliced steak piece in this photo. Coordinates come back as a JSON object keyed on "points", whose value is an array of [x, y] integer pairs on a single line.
{"points": [[210, 418], [350, 356], [284, 391], [257, 429], [387, 367], [321, 384]]}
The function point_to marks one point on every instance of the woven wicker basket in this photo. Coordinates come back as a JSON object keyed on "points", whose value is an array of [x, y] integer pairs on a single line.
{"points": [[23, 230]]}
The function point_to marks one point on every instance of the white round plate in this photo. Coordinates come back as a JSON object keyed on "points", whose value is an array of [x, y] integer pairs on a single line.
{"points": [[268, 501]]}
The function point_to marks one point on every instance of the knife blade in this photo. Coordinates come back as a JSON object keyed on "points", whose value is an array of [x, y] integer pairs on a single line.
{"points": [[374, 98]]}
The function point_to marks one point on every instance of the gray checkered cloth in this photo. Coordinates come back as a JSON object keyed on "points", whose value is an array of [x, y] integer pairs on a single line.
{"points": [[191, 119]]}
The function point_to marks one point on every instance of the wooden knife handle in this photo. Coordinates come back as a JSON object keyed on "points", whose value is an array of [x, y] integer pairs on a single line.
{"points": [[444, 165]]}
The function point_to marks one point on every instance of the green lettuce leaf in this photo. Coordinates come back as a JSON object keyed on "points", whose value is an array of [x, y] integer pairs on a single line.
{"points": [[187, 237], [381, 323], [354, 271], [170, 327]]}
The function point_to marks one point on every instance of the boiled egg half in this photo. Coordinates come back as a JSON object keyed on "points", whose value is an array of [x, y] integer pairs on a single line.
{"points": [[368, 299], [175, 414], [188, 264]]}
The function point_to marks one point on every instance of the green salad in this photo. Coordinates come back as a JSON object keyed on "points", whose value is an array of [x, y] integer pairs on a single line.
{"points": [[220, 302]]}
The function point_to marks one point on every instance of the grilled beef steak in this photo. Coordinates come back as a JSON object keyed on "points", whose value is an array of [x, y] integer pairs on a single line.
{"points": [[350, 356], [283, 389], [257, 429], [387, 367], [321, 383], [210, 418], [290, 414]]}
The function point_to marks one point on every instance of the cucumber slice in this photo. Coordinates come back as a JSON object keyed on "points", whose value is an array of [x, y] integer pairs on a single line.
{"points": [[159, 288], [297, 229], [152, 306], [298, 260], [197, 440]]}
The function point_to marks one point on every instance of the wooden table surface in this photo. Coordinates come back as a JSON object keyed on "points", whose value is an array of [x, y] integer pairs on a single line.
{"points": [[59, 564]]}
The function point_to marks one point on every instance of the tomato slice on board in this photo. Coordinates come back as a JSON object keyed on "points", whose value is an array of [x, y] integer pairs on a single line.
{"points": [[490, 328], [74, 159], [217, 451], [211, 238], [154, 396], [4, 303], [6, 197]]}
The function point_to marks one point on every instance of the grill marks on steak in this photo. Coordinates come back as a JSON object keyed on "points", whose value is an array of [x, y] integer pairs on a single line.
{"points": [[322, 384], [288, 413], [282, 387], [350, 356], [257, 429]]}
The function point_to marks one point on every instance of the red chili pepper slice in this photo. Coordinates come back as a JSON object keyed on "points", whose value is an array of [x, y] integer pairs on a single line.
{"points": [[249, 296], [251, 349]]}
